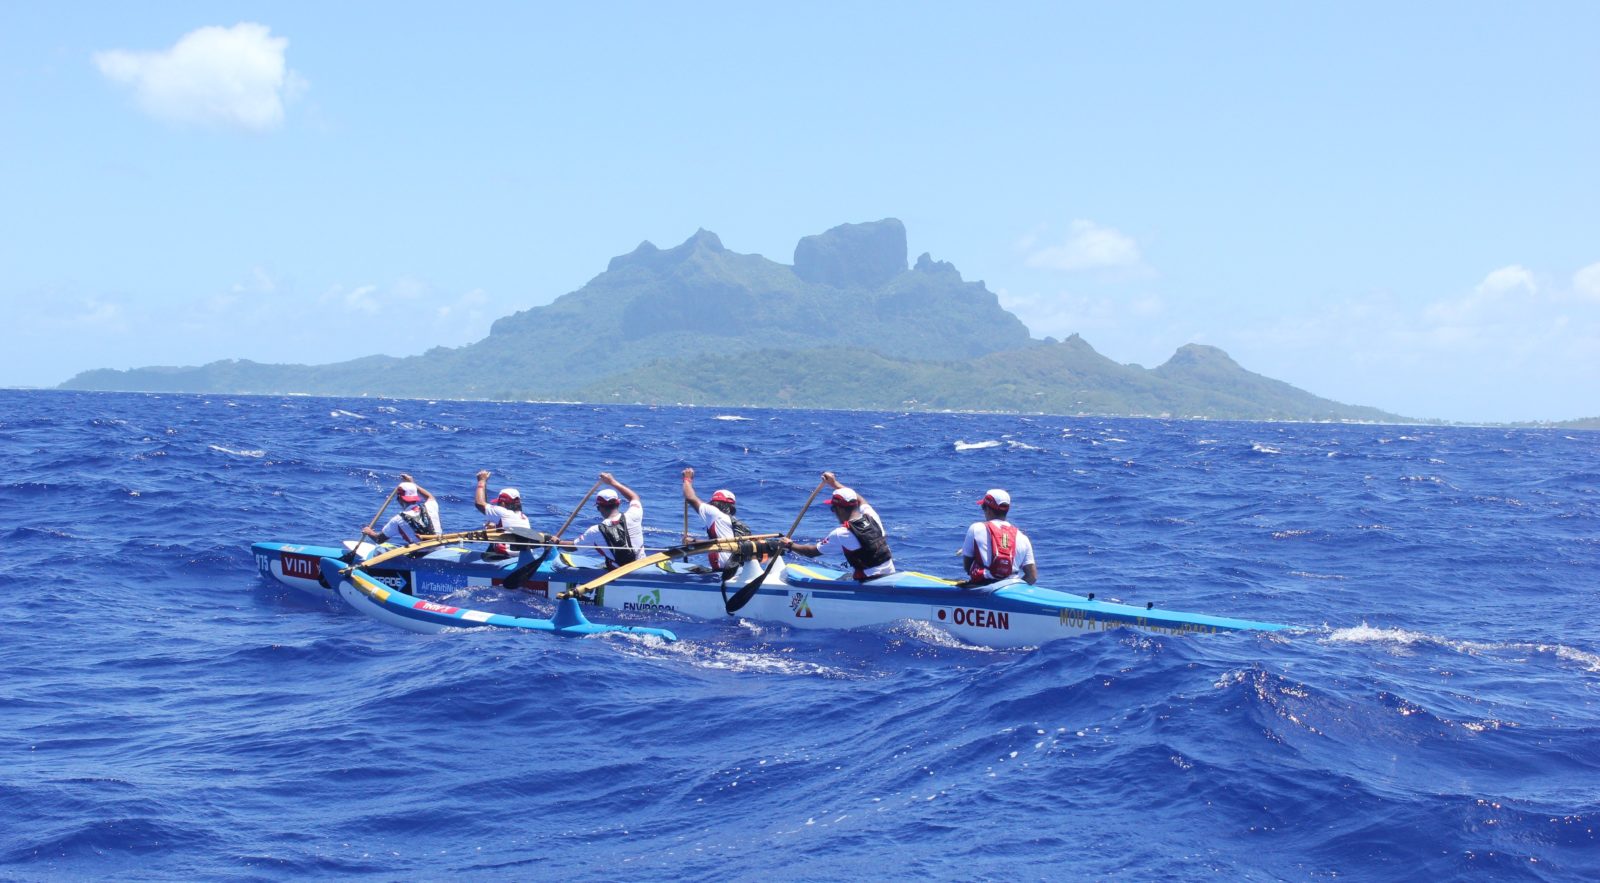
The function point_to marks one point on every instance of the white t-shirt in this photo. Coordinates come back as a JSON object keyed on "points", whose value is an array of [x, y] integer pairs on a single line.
{"points": [[841, 538], [976, 545], [720, 525], [509, 519], [399, 531], [632, 518]]}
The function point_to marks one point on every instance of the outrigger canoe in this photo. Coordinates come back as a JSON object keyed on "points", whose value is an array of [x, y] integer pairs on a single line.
{"points": [[1009, 613]]}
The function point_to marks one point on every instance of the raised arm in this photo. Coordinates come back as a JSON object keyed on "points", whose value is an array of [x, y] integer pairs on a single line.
{"points": [[480, 499], [420, 489], [688, 490], [832, 481], [624, 490]]}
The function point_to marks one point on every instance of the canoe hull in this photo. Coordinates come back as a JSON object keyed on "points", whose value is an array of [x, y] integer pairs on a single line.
{"points": [[1007, 614]]}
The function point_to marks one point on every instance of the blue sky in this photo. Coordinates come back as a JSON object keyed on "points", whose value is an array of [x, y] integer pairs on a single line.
{"points": [[1387, 204]]}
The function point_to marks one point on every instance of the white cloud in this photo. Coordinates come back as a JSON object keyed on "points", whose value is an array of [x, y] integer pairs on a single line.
{"points": [[1507, 280], [1088, 246], [1063, 313], [1586, 283], [1509, 288], [231, 77]]}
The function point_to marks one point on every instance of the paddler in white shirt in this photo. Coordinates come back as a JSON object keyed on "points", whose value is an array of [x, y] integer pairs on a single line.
{"points": [[994, 548], [720, 517], [418, 515], [859, 538], [619, 536], [505, 512]]}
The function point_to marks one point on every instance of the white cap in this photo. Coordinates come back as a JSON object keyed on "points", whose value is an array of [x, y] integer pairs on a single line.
{"points": [[997, 498], [409, 492], [844, 497], [509, 493], [723, 495], [607, 496]]}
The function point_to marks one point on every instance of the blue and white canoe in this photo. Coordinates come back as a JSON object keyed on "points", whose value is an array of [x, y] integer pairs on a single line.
{"points": [[1010, 613]]}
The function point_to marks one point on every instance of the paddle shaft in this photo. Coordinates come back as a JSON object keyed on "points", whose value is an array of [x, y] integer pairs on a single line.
{"points": [[804, 509], [381, 509], [568, 523]]}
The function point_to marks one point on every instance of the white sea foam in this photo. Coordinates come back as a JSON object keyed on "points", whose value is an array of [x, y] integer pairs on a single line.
{"points": [[246, 453], [720, 659], [729, 417], [1406, 639], [340, 412], [976, 446], [1260, 448], [1021, 446]]}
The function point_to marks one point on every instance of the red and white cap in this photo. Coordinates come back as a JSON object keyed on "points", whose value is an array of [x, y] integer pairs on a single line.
{"points": [[997, 499], [723, 495], [507, 494], [607, 497], [844, 497], [409, 493]]}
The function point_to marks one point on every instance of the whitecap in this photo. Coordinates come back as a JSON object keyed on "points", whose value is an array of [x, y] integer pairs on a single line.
{"points": [[729, 417], [340, 412], [1022, 446], [976, 446], [1260, 448], [246, 453]]}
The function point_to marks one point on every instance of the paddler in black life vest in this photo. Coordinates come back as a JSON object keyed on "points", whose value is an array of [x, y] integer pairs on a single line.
{"points": [[720, 517], [994, 549], [418, 515], [860, 536], [619, 535]]}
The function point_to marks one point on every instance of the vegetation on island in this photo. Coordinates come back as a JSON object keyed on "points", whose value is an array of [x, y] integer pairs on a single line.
{"points": [[848, 325]]}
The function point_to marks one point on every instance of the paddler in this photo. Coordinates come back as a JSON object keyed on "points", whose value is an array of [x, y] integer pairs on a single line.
{"points": [[994, 548], [619, 535], [860, 536], [720, 517], [505, 513], [418, 515]]}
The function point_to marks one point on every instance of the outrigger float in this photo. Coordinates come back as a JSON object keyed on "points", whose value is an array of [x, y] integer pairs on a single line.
{"points": [[1009, 613]]}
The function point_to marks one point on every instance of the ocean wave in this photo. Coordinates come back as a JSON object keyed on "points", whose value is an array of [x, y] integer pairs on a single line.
{"points": [[239, 453], [976, 446]]}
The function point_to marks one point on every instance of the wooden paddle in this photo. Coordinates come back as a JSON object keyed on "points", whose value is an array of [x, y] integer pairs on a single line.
{"points": [[516, 578], [748, 591], [698, 547], [374, 523]]}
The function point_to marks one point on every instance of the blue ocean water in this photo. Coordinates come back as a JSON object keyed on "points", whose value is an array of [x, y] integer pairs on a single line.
{"points": [[166, 713]]}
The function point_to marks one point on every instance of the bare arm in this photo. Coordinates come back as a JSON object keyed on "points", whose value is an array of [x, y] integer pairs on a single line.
{"points": [[809, 550], [688, 490], [832, 481], [1030, 573], [479, 499], [420, 489], [622, 489]]}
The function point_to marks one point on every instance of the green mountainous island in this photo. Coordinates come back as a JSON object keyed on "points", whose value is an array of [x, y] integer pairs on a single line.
{"points": [[848, 325]]}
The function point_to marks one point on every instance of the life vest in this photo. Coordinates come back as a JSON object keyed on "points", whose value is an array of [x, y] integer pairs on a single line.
{"points": [[1002, 552], [620, 550], [418, 520], [874, 545], [728, 560]]}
